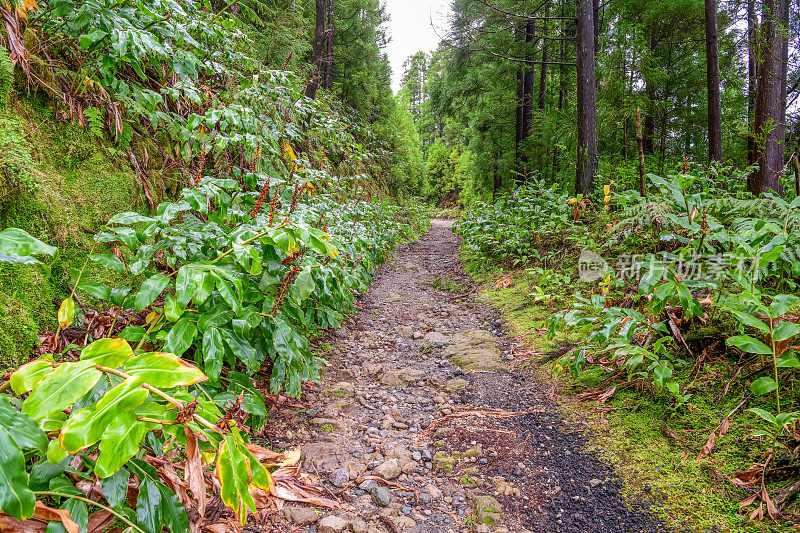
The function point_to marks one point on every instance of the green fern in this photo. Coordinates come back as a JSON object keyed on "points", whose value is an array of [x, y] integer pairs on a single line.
{"points": [[96, 124], [6, 77]]}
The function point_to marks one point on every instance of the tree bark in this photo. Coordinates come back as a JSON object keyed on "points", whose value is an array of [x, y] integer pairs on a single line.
{"points": [[712, 83], [640, 145], [520, 36], [543, 76], [586, 167], [596, 24], [326, 80], [752, 54], [528, 83], [796, 162], [769, 128], [318, 49]]}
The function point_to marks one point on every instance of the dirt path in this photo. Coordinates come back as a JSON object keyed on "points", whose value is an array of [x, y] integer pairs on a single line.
{"points": [[421, 392]]}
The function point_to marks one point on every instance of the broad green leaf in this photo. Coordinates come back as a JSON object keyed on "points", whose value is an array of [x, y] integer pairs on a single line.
{"points": [[148, 506], [213, 353], [119, 443], [129, 218], [109, 261], [41, 474], [55, 453], [61, 388], [164, 370], [98, 290], [781, 304], [787, 361], [232, 473], [763, 414], [111, 353], [24, 430], [180, 337], [14, 241], [243, 350], [28, 375], [16, 499], [763, 385], [748, 344], [750, 320], [86, 426], [172, 308], [785, 331], [66, 313], [150, 289], [115, 487], [305, 284]]}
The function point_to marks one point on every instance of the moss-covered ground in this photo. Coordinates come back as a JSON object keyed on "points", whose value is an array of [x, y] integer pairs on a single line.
{"points": [[56, 182], [653, 446]]}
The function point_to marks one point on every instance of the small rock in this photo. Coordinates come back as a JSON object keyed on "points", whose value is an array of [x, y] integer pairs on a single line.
{"points": [[357, 525], [367, 485], [332, 524], [381, 496], [388, 469], [434, 491], [301, 516], [339, 477], [487, 510], [418, 335], [595, 482]]}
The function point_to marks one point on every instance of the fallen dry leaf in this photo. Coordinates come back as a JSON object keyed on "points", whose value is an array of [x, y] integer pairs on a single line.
{"points": [[194, 471]]}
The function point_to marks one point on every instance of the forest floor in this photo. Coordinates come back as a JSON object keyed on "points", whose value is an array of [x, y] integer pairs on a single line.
{"points": [[423, 422]]}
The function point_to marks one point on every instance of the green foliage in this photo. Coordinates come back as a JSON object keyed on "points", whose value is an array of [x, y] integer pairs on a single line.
{"points": [[115, 400]]}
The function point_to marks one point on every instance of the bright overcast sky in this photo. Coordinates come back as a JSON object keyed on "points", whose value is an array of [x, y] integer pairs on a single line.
{"points": [[410, 30]]}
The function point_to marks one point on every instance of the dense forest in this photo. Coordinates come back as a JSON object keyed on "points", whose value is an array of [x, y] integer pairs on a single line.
{"points": [[199, 201], [529, 89]]}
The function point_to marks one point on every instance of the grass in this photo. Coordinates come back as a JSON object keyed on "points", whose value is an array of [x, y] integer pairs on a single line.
{"points": [[686, 494]]}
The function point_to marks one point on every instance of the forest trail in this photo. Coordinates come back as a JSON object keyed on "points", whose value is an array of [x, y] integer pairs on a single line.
{"points": [[422, 392]]}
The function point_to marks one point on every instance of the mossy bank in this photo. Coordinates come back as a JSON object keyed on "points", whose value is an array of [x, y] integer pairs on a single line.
{"points": [[58, 182], [652, 447]]}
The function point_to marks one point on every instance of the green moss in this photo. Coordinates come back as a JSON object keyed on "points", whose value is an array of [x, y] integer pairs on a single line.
{"points": [[55, 181]]}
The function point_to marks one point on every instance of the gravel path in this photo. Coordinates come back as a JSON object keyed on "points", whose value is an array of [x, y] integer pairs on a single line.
{"points": [[421, 423]]}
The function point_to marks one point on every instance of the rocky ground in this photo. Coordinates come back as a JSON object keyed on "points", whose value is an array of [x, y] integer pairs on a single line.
{"points": [[423, 424]]}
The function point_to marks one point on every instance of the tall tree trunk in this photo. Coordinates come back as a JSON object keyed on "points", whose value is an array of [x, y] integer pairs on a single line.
{"points": [[712, 83], [586, 167], [752, 54], [518, 123], [543, 76], [596, 24], [650, 94], [640, 150], [318, 50], [769, 128], [326, 80], [528, 83]]}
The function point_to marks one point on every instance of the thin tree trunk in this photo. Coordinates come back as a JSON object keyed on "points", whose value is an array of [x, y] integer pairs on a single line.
{"points": [[640, 145], [712, 83], [625, 136], [752, 54], [586, 167], [796, 160], [543, 77], [528, 83], [769, 128]]}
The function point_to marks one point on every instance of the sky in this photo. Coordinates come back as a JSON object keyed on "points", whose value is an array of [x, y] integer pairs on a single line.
{"points": [[410, 30]]}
